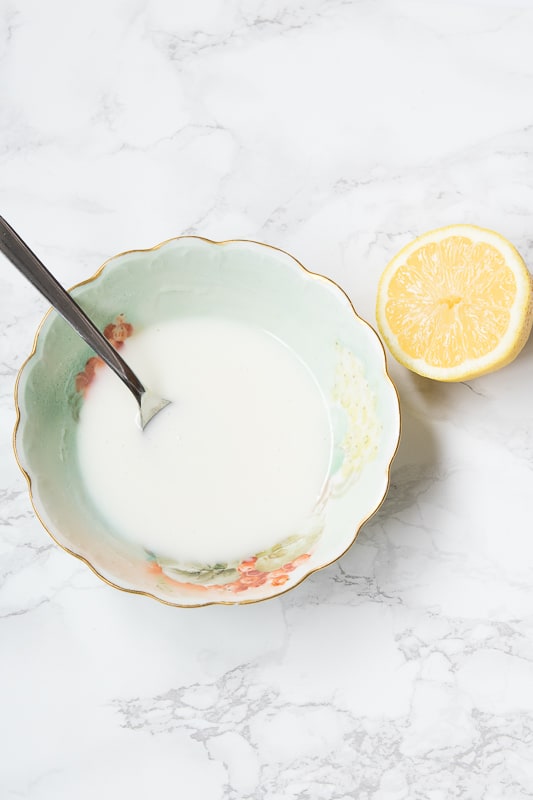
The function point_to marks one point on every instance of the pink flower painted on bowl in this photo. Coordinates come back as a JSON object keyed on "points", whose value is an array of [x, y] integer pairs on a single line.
{"points": [[116, 333]]}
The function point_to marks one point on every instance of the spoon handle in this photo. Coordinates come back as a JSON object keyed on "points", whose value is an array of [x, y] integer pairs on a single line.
{"points": [[25, 260]]}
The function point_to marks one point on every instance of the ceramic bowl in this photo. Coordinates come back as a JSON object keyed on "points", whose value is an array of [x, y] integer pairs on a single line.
{"points": [[240, 280]]}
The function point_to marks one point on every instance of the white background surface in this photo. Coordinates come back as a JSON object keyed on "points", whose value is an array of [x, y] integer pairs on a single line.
{"points": [[337, 130]]}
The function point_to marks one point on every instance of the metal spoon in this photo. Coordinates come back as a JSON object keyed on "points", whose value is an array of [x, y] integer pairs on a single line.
{"points": [[18, 252]]}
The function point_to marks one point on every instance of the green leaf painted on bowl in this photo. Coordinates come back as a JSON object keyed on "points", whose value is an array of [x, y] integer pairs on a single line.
{"points": [[217, 575], [289, 549], [75, 399]]}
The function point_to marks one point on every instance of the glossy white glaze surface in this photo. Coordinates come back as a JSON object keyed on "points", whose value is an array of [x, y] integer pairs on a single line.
{"points": [[338, 131]]}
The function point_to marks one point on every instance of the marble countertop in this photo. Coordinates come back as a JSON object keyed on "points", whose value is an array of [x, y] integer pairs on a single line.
{"points": [[337, 130]]}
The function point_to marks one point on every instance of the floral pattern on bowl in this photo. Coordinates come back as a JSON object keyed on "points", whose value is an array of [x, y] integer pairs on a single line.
{"points": [[271, 567], [247, 281]]}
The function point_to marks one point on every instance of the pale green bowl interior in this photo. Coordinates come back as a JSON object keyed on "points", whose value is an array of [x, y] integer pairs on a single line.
{"points": [[242, 281]]}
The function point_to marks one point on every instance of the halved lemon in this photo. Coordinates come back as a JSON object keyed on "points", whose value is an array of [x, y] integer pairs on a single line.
{"points": [[456, 303]]}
